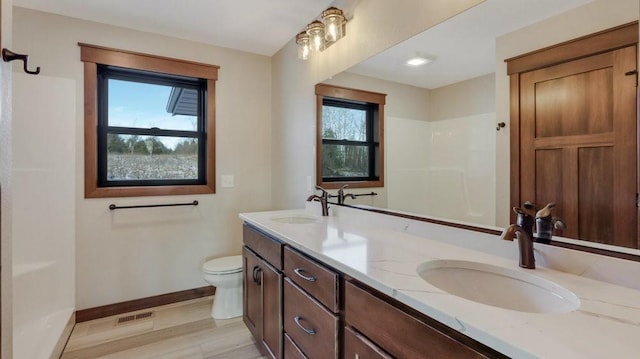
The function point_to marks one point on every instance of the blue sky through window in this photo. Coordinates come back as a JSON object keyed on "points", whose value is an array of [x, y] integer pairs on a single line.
{"points": [[141, 105]]}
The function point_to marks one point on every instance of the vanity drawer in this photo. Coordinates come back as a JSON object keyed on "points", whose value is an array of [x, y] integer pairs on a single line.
{"points": [[311, 326], [399, 333], [267, 248], [356, 346], [291, 350], [316, 279]]}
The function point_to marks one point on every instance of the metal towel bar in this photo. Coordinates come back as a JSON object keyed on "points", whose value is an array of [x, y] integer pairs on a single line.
{"points": [[113, 206]]}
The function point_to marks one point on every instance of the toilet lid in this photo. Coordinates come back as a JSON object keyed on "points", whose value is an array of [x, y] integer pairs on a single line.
{"points": [[231, 264]]}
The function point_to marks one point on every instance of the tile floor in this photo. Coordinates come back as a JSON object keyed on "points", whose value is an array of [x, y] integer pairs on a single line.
{"points": [[182, 330]]}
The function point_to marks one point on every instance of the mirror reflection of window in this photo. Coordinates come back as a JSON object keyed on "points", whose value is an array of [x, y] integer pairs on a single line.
{"points": [[350, 124]]}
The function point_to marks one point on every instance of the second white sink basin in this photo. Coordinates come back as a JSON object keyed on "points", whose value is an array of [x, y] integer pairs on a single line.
{"points": [[497, 286]]}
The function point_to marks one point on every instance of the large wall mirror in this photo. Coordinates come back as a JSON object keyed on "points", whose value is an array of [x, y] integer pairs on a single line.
{"points": [[446, 153]]}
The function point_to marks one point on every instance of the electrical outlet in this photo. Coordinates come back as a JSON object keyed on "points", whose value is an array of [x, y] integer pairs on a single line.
{"points": [[227, 181]]}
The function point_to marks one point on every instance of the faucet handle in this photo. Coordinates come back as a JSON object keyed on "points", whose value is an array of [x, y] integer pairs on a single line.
{"points": [[325, 193]]}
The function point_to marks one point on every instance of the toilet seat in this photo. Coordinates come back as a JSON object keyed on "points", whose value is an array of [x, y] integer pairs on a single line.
{"points": [[224, 265]]}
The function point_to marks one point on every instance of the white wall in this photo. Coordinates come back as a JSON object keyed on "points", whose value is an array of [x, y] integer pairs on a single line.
{"points": [[593, 17], [129, 254], [375, 26], [6, 188], [43, 212], [461, 172]]}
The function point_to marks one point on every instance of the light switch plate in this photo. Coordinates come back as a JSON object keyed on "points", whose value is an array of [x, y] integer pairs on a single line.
{"points": [[227, 181]]}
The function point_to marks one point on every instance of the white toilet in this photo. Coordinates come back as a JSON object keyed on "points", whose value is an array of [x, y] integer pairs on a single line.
{"points": [[225, 274]]}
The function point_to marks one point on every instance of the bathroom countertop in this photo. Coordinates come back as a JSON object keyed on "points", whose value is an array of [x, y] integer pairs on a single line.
{"points": [[383, 253]]}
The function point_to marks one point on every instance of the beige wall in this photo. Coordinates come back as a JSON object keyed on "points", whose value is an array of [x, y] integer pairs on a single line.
{"points": [[6, 208], [376, 25], [130, 254], [595, 16], [465, 98]]}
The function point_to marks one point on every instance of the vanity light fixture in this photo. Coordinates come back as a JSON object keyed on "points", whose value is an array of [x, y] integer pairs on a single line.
{"points": [[333, 19], [315, 30], [320, 34], [304, 49], [418, 61]]}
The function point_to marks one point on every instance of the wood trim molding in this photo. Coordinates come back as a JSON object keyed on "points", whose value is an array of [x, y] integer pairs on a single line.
{"points": [[351, 94], [140, 61], [603, 41], [143, 303], [92, 55]]}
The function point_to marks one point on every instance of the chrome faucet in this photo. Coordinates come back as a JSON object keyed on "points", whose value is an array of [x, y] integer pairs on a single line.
{"points": [[525, 244], [323, 199], [342, 195]]}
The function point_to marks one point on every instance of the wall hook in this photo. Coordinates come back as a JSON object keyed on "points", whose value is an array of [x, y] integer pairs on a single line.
{"points": [[8, 56], [500, 125]]}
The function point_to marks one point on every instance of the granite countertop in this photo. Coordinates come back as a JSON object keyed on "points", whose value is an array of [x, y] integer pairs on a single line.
{"points": [[381, 252]]}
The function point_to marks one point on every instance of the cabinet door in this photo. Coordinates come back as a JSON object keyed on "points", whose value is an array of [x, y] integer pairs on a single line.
{"points": [[271, 310], [252, 294]]}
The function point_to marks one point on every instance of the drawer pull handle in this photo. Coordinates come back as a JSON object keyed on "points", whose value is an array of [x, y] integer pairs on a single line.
{"points": [[300, 272], [298, 319]]}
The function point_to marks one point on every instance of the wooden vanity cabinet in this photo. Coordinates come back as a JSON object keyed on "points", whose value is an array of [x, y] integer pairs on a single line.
{"points": [[291, 350], [386, 328], [297, 307], [358, 346], [262, 294]]}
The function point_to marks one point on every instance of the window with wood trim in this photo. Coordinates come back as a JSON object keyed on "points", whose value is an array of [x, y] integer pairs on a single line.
{"points": [[149, 124], [350, 138]]}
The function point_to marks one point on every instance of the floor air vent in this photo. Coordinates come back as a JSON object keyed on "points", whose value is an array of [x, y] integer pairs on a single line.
{"points": [[130, 318]]}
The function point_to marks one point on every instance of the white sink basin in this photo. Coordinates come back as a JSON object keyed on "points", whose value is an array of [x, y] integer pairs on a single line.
{"points": [[294, 218], [499, 287]]}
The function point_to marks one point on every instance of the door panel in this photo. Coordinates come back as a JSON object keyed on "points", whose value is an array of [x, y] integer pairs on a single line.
{"points": [[252, 313], [272, 310], [565, 106], [578, 136]]}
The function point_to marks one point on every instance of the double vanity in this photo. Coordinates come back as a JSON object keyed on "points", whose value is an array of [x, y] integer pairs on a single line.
{"points": [[360, 284]]}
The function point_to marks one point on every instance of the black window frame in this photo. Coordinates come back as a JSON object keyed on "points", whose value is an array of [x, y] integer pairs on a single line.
{"points": [[108, 72], [371, 142]]}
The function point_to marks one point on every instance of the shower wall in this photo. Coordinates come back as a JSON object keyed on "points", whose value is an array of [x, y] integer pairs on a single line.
{"points": [[43, 212]]}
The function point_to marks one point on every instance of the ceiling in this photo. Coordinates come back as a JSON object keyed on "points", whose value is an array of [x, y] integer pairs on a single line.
{"points": [[462, 47], [258, 26]]}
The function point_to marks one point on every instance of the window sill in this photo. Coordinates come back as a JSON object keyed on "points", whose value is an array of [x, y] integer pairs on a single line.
{"points": [[352, 184], [106, 192]]}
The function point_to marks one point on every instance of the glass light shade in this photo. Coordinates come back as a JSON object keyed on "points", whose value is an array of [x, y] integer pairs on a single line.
{"points": [[333, 20], [315, 30], [302, 40]]}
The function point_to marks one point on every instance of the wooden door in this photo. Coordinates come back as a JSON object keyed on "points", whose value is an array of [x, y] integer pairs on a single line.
{"points": [[578, 144]]}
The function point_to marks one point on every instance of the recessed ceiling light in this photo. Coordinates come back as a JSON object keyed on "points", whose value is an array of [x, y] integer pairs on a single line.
{"points": [[418, 61]]}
